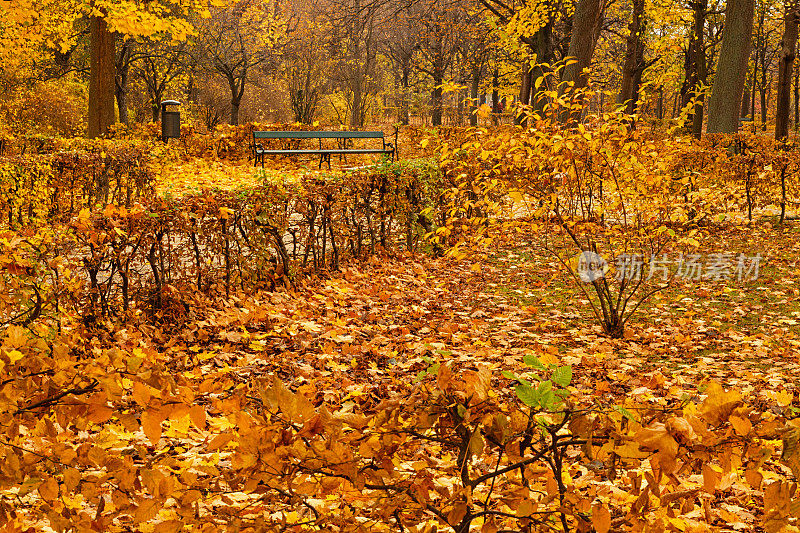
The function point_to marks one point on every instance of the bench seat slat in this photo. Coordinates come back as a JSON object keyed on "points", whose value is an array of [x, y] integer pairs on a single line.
{"points": [[318, 152], [318, 134]]}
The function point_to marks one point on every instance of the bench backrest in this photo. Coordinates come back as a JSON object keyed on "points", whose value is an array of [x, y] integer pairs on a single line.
{"points": [[318, 134]]}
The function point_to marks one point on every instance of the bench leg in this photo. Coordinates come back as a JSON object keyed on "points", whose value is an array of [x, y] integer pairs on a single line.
{"points": [[325, 157]]}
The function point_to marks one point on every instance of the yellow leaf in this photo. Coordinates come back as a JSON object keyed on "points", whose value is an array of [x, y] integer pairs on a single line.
{"points": [[49, 489], [198, 414], [141, 393], [601, 518], [147, 510], [16, 337], [151, 425], [457, 513], [179, 427], [742, 426], [719, 405], [71, 479], [711, 478], [476, 443], [784, 398], [219, 441], [15, 355], [630, 451]]}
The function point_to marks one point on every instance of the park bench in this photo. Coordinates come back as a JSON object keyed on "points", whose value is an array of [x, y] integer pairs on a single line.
{"points": [[343, 144]]}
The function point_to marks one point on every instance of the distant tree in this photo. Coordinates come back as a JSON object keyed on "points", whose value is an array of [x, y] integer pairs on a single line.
{"points": [[234, 41], [356, 26], [440, 30], [157, 66]]}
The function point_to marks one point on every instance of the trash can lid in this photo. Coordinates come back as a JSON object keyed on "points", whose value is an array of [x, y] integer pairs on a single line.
{"points": [[170, 102]]}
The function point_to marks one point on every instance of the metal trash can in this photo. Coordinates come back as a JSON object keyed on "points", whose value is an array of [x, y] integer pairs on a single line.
{"points": [[170, 121]]}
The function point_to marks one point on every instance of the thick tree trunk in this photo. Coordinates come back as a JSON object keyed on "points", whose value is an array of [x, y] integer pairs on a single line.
{"points": [[723, 106], [237, 92], [585, 31], [355, 108], [796, 97], [101, 79], [785, 69], [632, 45], [234, 120], [753, 92]]}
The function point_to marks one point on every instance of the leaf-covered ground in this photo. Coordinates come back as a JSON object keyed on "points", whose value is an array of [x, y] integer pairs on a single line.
{"points": [[360, 336]]}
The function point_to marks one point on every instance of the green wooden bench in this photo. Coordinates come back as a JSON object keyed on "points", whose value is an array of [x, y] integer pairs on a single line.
{"points": [[342, 138]]}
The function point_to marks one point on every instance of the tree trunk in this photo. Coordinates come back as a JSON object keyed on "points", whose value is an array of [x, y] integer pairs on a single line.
{"points": [[753, 92], [585, 31], [524, 90], [121, 80], [796, 97], [785, 69], [237, 91], [632, 45], [436, 96], [473, 94], [746, 100], [544, 54], [702, 76], [404, 82], [660, 104], [637, 77], [101, 79], [234, 120], [723, 106], [695, 66], [355, 108]]}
